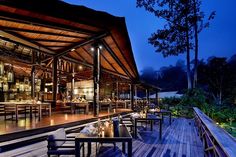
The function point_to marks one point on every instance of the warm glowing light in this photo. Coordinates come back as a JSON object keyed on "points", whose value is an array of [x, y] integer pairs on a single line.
{"points": [[51, 122], [92, 49], [66, 117], [80, 67], [72, 49]]}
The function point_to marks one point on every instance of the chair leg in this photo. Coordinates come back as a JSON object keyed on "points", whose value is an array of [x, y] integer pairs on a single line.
{"points": [[83, 150], [114, 149]]}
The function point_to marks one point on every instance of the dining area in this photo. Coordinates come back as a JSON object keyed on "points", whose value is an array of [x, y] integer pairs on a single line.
{"points": [[15, 109], [114, 134]]}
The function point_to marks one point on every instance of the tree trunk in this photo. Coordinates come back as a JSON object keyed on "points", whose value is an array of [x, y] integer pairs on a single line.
{"points": [[196, 46], [188, 54]]}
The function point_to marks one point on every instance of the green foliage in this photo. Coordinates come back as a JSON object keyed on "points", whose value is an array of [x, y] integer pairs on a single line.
{"points": [[194, 98], [171, 101]]}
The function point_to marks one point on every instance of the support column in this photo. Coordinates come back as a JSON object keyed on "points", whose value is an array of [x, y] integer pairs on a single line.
{"points": [[157, 102], [147, 95], [132, 96], [33, 75], [117, 90], [136, 94], [96, 79], [54, 81], [72, 82]]}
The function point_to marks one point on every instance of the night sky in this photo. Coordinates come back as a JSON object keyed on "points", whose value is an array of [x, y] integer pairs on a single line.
{"points": [[218, 40]]}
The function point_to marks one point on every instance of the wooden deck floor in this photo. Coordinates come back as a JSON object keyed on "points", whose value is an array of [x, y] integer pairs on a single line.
{"points": [[178, 140], [23, 124]]}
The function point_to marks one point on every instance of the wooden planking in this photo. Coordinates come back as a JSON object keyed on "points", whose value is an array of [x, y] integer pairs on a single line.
{"points": [[223, 138], [119, 54], [10, 25], [179, 139]]}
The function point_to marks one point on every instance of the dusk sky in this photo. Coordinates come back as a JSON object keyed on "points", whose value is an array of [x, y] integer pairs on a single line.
{"points": [[218, 40]]}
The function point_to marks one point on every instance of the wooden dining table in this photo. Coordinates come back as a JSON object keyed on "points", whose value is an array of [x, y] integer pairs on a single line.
{"points": [[123, 137], [74, 104], [16, 105], [161, 112], [147, 119]]}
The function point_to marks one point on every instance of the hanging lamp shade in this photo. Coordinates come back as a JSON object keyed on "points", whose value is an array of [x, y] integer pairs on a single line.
{"points": [[1, 68], [10, 76]]}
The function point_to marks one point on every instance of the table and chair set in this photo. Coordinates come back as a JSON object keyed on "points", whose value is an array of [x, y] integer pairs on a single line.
{"points": [[15, 109], [116, 130]]}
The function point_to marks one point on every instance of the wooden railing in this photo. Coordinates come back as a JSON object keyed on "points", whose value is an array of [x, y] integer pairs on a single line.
{"points": [[216, 141]]}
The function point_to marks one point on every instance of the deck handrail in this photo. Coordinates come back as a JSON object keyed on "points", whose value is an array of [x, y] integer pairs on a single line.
{"points": [[216, 141]]}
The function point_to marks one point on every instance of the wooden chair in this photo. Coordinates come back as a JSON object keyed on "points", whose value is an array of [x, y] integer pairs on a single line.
{"points": [[10, 109], [60, 144], [128, 123], [82, 106]]}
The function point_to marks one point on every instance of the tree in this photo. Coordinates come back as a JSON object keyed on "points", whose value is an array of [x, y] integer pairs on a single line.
{"points": [[199, 25], [148, 74], [184, 21], [176, 35], [172, 78], [217, 78]]}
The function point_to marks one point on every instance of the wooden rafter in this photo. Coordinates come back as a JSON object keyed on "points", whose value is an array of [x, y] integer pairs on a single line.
{"points": [[122, 53], [11, 29], [116, 58], [22, 40], [91, 39]]}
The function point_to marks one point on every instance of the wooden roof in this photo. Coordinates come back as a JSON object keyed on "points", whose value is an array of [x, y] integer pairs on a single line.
{"points": [[55, 28]]}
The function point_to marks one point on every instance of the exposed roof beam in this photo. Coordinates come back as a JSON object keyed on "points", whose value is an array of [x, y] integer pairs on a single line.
{"points": [[103, 57], [39, 22], [45, 60], [51, 40], [116, 58], [76, 52], [89, 40], [91, 66], [38, 32], [25, 42], [117, 45], [108, 62]]}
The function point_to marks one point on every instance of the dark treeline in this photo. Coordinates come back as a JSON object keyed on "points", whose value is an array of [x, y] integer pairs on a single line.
{"points": [[216, 76]]}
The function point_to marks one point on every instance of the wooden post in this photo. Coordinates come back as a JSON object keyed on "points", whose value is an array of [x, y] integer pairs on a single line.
{"points": [[54, 85], [132, 96], [72, 82], [96, 79], [136, 94], [33, 75], [157, 102], [147, 95], [117, 90]]}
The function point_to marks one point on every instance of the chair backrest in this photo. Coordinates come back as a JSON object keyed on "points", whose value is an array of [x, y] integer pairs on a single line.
{"points": [[58, 134]]}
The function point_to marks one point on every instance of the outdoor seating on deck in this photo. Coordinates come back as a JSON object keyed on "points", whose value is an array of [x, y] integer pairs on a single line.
{"points": [[60, 144]]}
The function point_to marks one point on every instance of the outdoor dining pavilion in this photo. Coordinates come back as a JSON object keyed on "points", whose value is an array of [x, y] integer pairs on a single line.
{"points": [[57, 58], [69, 86]]}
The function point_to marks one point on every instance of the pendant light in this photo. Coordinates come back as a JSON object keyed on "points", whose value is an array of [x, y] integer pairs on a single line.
{"points": [[1, 68], [10, 74]]}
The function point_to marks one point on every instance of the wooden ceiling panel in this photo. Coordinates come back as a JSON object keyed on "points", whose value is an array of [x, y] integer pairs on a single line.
{"points": [[85, 55], [54, 44], [106, 65], [22, 27], [75, 55], [115, 49]]}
